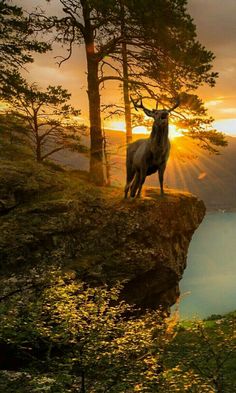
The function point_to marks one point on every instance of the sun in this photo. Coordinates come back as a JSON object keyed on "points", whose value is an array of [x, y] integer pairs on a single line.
{"points": [[173, 132]]}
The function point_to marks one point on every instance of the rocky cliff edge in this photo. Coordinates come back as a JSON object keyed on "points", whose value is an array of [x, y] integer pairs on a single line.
{"points": [[51, 216]]}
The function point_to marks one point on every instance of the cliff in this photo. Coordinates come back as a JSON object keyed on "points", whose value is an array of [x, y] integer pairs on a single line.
{"points": [[49, 216]]}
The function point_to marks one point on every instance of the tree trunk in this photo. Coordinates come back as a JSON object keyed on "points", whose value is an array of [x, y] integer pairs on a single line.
{"points": [[126, 95], [107, 160], [126, 78], [96, 138], [37, 138], [38, 152]]}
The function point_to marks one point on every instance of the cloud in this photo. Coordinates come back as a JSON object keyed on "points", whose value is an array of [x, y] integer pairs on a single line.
{"points": [[227, 126], [231, 111], [216, 29], [215, 21]]}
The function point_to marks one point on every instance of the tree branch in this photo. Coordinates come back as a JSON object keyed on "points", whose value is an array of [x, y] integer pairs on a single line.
{"points": [[53, 151]]}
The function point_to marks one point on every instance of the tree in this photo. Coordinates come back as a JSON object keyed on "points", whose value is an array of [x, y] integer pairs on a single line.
{"points": [[16, 42], [93, 24], [121, 38], [161, 58], [51, 122], [124, 54]]}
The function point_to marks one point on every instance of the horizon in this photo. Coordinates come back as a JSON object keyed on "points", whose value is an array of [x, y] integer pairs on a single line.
{"points": [[220, 125]]}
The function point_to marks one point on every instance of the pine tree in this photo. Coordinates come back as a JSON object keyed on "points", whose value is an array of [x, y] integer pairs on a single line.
{"points": [[17, 41], [51, 122]]}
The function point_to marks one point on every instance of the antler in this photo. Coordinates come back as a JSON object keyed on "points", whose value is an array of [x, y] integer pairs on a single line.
{"points": [[148, 112], [135, 103], [177, 102]]}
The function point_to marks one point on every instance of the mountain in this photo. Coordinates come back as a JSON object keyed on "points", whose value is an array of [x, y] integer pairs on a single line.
{"points": [[210, 177]]}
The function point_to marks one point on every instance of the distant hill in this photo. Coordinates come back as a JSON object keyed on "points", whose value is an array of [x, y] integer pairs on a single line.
{"points": [[211, 177]]}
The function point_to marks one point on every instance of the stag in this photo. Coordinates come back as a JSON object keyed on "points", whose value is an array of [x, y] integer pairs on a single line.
{"points": [[147, 156]]}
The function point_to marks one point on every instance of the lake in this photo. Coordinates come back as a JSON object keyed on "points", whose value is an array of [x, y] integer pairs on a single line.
{"points": [[209, 282]]}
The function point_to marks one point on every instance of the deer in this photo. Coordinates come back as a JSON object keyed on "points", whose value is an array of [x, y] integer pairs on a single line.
{"points": [[147, 156]]}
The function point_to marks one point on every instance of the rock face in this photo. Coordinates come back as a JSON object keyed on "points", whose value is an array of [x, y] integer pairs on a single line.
{"points": [[104, 239], [145, 242]]}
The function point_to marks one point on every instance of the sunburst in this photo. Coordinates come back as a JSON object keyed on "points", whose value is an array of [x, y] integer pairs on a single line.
{"points": [[142, 130]]}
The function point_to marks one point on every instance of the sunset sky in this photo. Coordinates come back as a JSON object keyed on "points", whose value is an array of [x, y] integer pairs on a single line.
{"points": [[216, 27]]}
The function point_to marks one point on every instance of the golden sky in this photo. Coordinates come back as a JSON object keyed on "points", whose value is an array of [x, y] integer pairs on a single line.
{"points": [[216, 28]]}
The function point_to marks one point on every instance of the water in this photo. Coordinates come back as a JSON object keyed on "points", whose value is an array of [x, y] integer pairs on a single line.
{"points": [[209, 282]]}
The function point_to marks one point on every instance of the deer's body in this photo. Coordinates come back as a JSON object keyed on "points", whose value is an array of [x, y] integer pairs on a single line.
{"points": [[147, 156]]}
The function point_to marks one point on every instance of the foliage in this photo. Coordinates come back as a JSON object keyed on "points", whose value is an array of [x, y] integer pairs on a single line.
{"points": [[52, 123], [194, 123], [207, 350], [164, 60], [85, 332], [67, 336], [13, 137], [177, 59], [17, 40], [150, 47]]}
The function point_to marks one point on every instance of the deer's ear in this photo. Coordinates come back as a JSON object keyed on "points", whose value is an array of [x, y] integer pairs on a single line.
{"points": [[148, 112]]}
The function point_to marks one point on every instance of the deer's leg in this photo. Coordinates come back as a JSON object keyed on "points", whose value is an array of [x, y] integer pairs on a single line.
{"points": [[161, 171], [143, 174], [129, 179], [128, 184], [135, 184], [127, 187], [130, 173]]}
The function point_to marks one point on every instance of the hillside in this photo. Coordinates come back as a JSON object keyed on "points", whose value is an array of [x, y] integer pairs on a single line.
{"points": [[64, 243], [211, 177]]}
